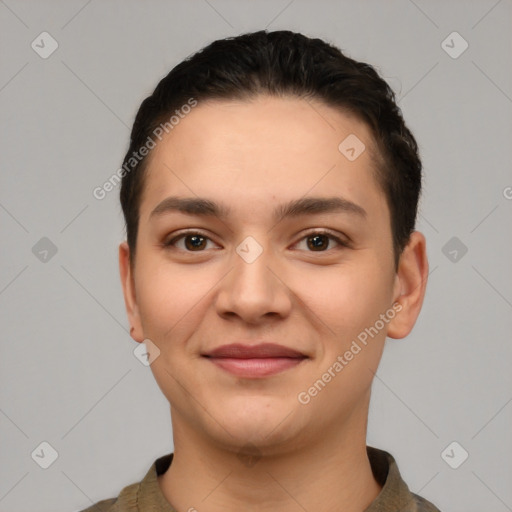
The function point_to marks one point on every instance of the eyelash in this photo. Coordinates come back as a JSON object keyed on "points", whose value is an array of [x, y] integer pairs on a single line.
{"points": [[171, 243]]}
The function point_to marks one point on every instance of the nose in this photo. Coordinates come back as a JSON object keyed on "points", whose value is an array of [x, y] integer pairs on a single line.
{"points": [[254, 291]]}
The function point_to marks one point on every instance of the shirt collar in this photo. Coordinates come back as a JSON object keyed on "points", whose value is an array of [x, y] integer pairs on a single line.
{"points": [[395, 496]]}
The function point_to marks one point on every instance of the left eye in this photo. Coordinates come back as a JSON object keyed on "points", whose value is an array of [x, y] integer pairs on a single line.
{"points": [[319, 240]]}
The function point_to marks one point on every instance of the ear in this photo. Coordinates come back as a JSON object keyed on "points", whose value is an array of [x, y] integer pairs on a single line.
{"points": [[130, 300], [410, 285]]}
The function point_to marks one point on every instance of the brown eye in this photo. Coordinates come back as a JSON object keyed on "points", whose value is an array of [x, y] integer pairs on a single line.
{"points": [[318, 241], [193, 242]]}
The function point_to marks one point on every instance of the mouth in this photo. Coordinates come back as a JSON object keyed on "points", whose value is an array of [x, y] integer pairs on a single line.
{"points": [[255, 361]]}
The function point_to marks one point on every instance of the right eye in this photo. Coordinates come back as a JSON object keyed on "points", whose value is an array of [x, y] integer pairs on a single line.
{"points": [[194, 241]]}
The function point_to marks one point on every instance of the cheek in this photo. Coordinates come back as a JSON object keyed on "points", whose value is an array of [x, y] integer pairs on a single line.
{"points": [[171, 299], [172, 303], [347, 299], [347, 305]]}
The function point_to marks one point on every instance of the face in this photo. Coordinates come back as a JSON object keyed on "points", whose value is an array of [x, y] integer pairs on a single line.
{"points": [[312, 279]]}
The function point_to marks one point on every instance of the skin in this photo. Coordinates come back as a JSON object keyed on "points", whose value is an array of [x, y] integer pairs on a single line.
{"points": [[251, 156]]}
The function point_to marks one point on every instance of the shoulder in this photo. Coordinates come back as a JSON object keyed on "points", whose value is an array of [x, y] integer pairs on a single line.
{"points": [[101, 506], [125, 502], [422, 505], [139, 496]]}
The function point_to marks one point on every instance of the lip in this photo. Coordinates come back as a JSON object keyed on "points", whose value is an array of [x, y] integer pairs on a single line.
{"points": [[255, 361]]}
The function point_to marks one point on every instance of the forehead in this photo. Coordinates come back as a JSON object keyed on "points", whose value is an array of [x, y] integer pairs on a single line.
{"points": [[261, 149]]}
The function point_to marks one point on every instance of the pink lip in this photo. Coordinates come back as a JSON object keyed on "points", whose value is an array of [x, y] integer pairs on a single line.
{"points": [[255, 360]]}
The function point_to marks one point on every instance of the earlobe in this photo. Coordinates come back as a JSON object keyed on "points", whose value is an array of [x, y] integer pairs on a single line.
{"points": [[130, 300], [410, 286]]}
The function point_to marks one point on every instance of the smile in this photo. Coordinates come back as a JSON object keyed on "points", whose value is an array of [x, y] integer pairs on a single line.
{"points": [[255, 360]]}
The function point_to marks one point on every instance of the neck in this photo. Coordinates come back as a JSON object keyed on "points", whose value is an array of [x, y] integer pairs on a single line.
{"points": [[330, 475]]}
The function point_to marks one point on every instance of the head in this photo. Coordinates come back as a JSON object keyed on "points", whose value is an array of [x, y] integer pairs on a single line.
{"points": [[255, 124]]}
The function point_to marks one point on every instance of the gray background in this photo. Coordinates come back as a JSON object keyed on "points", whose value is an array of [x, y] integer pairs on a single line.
{"points": [[67, 369]]}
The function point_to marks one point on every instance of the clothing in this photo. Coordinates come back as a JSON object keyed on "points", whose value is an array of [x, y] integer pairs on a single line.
{"points": [[146, 496]]}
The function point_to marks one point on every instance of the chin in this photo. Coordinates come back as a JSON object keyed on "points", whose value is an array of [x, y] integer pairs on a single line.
{"points": [[255, 423]]}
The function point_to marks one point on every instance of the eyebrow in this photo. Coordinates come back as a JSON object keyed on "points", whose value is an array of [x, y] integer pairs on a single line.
{"points": [[297, 207]]}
